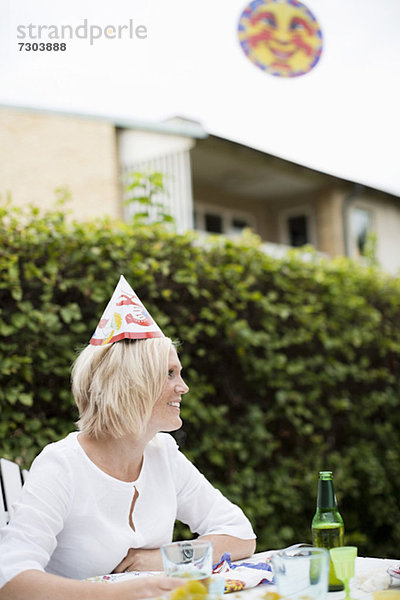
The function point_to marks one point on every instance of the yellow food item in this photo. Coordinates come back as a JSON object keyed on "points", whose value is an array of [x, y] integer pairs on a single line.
{"points": [[234, 585], [271, 596], [192, 590], [387, 595]]}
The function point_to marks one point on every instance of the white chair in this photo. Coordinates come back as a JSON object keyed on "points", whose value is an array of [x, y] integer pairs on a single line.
{"points": [[11, 481]]}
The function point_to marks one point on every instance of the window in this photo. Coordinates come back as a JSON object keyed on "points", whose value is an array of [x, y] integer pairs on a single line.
{"points": [[238, 225], [297, 226], [213, 223], [218, 219], [360, 227], [298, 230]]}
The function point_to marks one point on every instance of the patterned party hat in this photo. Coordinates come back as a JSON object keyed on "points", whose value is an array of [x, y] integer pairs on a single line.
{"points": [[124, 317]]}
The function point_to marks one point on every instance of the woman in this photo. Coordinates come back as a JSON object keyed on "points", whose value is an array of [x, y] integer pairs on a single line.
{"points": [[105, 498]]}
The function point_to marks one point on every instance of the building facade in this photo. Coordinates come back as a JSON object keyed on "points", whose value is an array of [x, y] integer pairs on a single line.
{"points": [[41, 152], [211, 184]]}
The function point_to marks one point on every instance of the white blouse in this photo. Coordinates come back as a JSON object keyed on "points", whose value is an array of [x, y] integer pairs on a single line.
{"points": [[72, 519]]}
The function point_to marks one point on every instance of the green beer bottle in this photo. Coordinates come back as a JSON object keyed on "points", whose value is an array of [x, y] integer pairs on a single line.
{"points": [[327, 527]]}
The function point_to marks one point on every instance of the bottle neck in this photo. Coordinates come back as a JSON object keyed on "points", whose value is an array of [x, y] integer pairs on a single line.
{"points": [[326, 495]]}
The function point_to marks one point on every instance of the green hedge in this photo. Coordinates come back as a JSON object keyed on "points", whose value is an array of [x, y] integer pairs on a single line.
{"points": [[293, 363]]}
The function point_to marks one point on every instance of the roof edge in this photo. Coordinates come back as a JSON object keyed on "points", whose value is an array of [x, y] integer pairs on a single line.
{"points": [[172, 126]]}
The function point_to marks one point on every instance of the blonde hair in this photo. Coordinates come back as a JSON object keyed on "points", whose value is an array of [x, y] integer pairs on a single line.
{"points": [[115, 386]]}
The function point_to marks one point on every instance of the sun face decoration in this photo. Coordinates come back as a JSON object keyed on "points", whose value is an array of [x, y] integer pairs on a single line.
{"points": [[282, 37]]}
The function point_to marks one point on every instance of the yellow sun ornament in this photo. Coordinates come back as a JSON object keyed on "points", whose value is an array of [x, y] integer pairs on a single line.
{"points": [[281, 37]]}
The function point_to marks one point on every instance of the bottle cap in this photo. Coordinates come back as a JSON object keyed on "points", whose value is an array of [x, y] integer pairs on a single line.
{"points": [[325, 475]]}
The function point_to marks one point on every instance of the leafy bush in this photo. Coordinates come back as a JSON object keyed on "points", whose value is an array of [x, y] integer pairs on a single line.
{"points": [[293, 363]]}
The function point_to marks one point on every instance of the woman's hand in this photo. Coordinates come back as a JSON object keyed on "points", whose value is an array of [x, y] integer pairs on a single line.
{"points": [[139, 559]]}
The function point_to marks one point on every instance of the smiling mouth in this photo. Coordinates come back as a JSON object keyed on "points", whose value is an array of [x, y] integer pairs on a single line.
{"points": [[282, 54], [174, 404]]}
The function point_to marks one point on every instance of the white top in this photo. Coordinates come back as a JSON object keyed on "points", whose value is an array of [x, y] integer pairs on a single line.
{"points": [[72, 519]]}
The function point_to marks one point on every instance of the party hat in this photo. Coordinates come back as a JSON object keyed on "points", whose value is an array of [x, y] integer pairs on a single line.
{"points": [[124, 317]]}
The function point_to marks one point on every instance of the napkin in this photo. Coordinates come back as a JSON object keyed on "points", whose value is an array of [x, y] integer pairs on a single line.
{"points": [[375, 580], [239, 576], [394, 571]]}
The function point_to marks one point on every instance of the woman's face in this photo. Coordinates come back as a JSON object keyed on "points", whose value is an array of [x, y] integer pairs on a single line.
{"points": [[165, 415]]}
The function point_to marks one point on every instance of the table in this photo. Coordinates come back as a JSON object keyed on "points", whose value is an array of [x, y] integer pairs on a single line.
{"points": [[364, 565]]}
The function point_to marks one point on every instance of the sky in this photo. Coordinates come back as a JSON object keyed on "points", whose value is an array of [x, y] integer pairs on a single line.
{"points": [[340, 118]]}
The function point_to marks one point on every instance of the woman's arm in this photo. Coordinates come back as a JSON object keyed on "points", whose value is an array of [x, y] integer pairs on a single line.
{"points": [[36, 585], [139, 559], [236, 547]]}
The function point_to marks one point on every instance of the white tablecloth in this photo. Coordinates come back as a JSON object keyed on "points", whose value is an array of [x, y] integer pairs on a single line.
{"points": [[364, 565]]}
